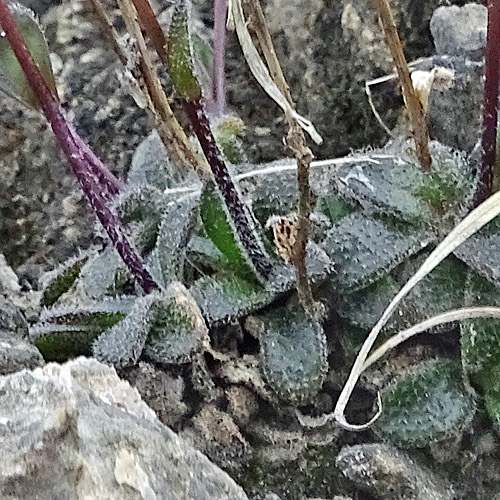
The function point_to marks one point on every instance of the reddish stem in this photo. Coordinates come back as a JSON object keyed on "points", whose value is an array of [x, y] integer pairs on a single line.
{"points": [[490, 105], [88, 168], [151, 27]]}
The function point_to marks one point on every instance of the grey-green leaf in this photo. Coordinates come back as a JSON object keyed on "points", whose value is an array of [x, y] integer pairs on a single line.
{"points": [[362, 248], [425, 404], [225, 297], [293, 353], [177, 330], [166, 261]]}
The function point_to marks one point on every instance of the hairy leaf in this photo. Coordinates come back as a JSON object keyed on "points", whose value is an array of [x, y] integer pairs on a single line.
{"points": [[167, 258], [225, 297], [60, 280], [425, 404], [177, 330], [293, 353], [179, 54], [363, 249]]}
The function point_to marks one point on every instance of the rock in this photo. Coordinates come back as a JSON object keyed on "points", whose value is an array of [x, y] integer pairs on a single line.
{"points": [[11, 317], [390, 474], [460, 30], [215, 433], [454, 114], [9, 282], [17, 354], [161, 391], [77, 431]]}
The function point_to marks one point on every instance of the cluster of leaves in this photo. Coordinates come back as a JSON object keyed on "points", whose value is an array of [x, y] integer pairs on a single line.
{"points": [[212, 264]]}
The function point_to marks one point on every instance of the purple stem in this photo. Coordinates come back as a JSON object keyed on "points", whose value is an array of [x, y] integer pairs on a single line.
{"points": [[228, 189], [219, 88], [109, 185], [85, 164], [490, 105]]}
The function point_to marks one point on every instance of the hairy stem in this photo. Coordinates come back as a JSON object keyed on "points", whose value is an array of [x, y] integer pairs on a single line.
{"points": [[87, 167], [232, 198], [490, 104], [414, 106]]}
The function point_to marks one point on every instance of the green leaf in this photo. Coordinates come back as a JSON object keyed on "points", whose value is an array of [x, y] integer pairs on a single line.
{"points": [[427, 403], [179, 55], [491, 389], [480, 338], [103, 274], [363, 308], [273, 193], [481, 252], [293, 353], [218, 226], [12, 79], [60, 280], [226, 132], [440, 291], [64, 332], [122, 344], [334, 207], [397, 186], [385, 187]]}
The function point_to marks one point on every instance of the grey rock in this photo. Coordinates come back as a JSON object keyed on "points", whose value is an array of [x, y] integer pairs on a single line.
{"points": [[390, 474], [77, 431], [17, 354], [11, 317], [9, 282], [459, 30], [455, 114]]}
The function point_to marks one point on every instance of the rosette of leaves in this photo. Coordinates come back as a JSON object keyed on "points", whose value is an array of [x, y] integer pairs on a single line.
{"points": [[232, 275]]}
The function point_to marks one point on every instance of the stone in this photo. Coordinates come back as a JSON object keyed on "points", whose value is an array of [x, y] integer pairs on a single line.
{"points": [[390, 474], [76, 431], [460, 30], [17, 354], [9, 282], [162, 391]]}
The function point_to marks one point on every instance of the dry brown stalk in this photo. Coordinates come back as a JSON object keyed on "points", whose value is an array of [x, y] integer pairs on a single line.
{"points": [[414, 106], [297, 144]]}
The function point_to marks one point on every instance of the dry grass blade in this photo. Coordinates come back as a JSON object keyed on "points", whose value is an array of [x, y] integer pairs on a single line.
{"points": [[478, 218], [415, 111], [440, 319], [261, 73], [295, 140]]}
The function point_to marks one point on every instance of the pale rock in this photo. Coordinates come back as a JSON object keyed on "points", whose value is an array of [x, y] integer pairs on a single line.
{"points": [[76, 431]]}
